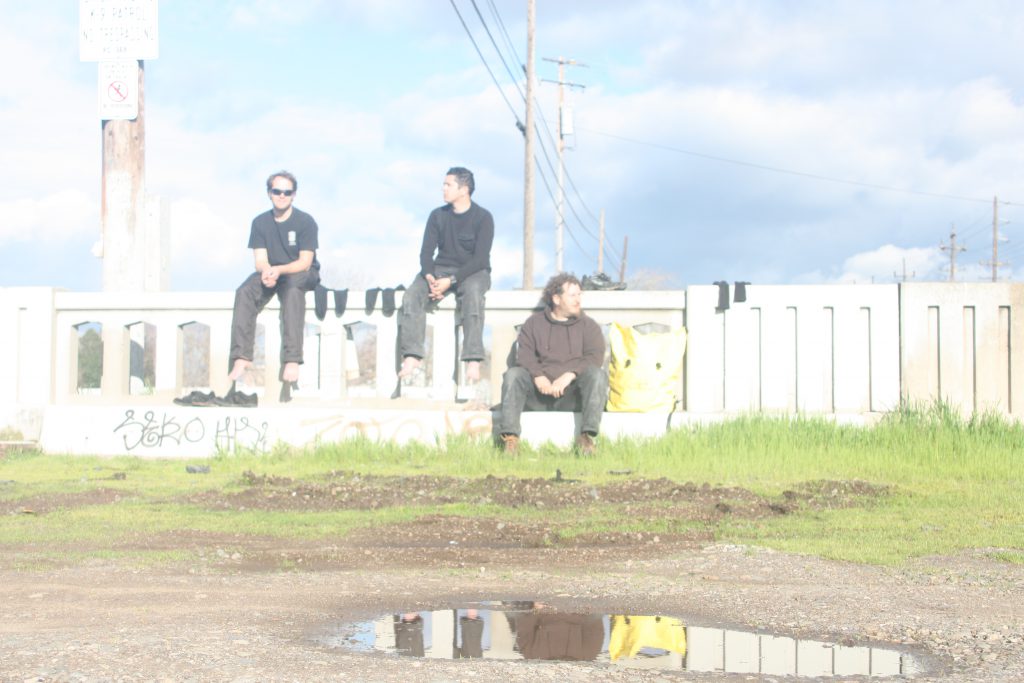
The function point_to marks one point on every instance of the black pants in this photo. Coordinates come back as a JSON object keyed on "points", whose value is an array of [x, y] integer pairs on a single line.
{"points": [[252, 296]]}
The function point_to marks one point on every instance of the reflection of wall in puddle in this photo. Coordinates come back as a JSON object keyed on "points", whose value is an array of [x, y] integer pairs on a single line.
{"points": [[708, 649], [712, 649]]}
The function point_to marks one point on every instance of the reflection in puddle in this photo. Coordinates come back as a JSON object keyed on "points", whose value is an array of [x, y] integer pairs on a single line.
{"points": [[529, 630]]}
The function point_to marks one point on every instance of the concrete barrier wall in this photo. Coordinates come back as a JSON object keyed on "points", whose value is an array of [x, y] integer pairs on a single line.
{"points": [[787, 348], [962, 343], [821, 349]]}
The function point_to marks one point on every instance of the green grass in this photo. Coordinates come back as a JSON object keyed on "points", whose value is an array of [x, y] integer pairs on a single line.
{"points": [[953, 484]]}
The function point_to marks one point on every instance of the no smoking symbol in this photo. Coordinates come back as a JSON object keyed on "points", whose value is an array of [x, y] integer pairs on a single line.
{"points": [[117, 91]]}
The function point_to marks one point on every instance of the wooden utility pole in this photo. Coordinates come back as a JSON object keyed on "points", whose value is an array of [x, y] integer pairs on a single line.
{"points": [[952, 249], [600, 244], [560, 124], [123, 188], [528, 181]]}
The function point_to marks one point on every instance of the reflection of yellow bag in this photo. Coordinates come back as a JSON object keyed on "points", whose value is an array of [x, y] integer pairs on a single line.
{"points": [[644, 370], [629, 634]]}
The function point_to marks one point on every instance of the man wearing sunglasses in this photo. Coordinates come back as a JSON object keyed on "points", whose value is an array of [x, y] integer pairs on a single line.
{"points": [[284, 243], [455, 258]]}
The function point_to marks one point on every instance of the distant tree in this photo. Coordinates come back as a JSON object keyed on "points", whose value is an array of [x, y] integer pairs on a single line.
{"points": [[90, 359]]}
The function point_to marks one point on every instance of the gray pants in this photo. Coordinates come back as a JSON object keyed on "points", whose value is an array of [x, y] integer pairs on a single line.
{"points": [[469, 296], [252, 296], [588, 394]]}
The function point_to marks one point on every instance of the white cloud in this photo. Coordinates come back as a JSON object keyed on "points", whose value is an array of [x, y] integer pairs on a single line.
{"points": [[890, 263], [51, 218]]}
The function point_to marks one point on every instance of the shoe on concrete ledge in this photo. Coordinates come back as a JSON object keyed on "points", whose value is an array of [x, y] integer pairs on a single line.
{"points": [[585, 444], [511, 444]]}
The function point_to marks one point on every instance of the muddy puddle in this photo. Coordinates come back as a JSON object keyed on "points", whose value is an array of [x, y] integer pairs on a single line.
{"points": [[534, 631]]}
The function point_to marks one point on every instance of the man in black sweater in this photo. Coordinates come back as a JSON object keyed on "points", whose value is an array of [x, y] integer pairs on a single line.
{"points": [[455, 257], [559, 366]]}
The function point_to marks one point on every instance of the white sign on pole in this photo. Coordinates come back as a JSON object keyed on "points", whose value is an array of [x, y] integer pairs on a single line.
{"points": [[119, 90], [117, 29]]}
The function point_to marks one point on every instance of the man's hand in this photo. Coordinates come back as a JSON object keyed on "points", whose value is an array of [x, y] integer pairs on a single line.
{"points": [[559, 386], [438, 286], [543, 385], [269, 276]]}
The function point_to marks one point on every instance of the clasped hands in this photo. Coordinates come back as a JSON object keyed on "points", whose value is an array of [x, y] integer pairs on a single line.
{"points": [[439, 286], [555, 388], [269, 276]]}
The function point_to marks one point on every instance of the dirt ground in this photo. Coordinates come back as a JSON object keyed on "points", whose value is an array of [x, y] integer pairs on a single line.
{"points": [[246, 608]]}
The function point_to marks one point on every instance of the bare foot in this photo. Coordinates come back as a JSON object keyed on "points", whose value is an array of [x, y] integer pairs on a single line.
{"points": [[239, 368], [290, 372], [473, 371], [409, 365]]}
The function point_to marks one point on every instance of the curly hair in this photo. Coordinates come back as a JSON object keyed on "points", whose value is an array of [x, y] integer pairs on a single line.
{"points": [[283, 174], [556, 286]]}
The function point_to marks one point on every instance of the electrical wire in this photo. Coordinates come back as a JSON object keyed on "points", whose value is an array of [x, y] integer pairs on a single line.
{"points": [[519, 124], [776, 169], [508, 41], [497, 49]]}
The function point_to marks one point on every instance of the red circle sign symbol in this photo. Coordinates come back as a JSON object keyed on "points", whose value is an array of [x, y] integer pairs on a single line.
{"points": [[117, 91]]}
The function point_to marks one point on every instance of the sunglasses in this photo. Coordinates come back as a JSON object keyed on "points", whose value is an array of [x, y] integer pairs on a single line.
{"points": [[278, 193]]}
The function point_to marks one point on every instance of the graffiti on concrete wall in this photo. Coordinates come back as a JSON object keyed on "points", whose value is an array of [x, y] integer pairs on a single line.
{"points": [[153, 430]]}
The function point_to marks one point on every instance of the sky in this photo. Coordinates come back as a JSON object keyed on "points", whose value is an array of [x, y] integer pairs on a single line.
{"points": [[769, 141]]}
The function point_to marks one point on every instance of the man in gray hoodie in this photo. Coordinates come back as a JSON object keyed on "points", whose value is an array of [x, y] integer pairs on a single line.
{"points": [[558, 366]]}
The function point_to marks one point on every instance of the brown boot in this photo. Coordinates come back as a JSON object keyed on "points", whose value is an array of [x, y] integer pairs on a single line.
{"points": [[585, 444], [511, 444]]}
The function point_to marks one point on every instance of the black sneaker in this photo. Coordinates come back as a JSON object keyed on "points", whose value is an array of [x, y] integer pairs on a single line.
{"points": [[197, 399], [236, 399]]}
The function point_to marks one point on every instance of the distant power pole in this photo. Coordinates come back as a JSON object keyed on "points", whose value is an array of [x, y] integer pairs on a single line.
{"points": [[564, 127], [905, 275], [528, 190], [952, 249], [622, 266], [600, 244], [995, 262]]}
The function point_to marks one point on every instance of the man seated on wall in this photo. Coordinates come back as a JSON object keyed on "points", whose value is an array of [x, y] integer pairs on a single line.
{"points": [[284, 243], [455, 257], [558, 366]]}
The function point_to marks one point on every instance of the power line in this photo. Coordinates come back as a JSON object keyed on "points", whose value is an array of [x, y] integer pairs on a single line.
{"points": [[551, 195], [582, 224], [508, 41], [519, 124], [801, 174], [496, 48]]}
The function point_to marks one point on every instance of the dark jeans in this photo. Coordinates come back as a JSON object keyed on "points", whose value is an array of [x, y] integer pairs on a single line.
{"points": [[588, 394], [252, 296], [469, 296]]}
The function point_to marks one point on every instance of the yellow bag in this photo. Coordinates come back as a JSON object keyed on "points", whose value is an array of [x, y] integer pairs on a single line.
{"points": [[630, 634], [644, 370]]}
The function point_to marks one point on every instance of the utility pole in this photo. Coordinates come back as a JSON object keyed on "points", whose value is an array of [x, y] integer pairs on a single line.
{"points": [[952, 249], [905, 277], [123, 187], [528, 189], [995, 262], [600, 244], [622, 266], [561, 133]]}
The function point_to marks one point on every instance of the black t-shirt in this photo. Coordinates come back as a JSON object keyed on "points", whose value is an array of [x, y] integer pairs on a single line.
{"points": [[283, 241]]}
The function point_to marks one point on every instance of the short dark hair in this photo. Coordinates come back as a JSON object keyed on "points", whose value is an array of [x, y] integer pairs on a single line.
{"points": [[283, 174], [556, 285], [464, 177]]}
